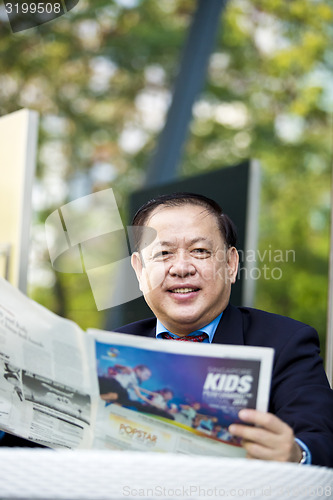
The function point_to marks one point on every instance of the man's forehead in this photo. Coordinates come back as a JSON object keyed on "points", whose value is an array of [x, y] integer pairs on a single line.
{"points": [[185, 239], [196, 223], [197, 210]]}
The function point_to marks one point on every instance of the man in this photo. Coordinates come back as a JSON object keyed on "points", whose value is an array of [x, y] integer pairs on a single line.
{"points": [[186, 275]]}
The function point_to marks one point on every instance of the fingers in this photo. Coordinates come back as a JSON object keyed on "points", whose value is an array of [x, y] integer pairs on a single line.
{"points": [[258, 452], [262, 419], [254, 434], [259, 443], [268, 439], [266, 430]]}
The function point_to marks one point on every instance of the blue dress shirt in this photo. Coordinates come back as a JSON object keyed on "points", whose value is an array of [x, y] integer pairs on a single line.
{"points": [[210, 329]]}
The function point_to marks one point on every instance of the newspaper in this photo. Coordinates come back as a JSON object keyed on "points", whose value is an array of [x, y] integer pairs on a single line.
{"points": [[66, 388]]}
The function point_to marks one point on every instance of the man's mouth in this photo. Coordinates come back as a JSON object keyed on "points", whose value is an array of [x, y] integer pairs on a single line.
{"points": [[184, 290]]}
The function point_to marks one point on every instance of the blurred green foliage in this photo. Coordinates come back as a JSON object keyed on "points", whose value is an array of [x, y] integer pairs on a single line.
{"points": [[101, 78]]}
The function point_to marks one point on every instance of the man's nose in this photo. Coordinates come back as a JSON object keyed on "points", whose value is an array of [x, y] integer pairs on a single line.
{"points": [[182, 266]]}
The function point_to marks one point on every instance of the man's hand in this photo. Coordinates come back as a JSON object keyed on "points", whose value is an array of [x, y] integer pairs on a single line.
{"points": [[270, 439]]}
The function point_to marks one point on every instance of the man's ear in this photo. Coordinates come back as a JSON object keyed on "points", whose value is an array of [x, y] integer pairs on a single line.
{"points": [[232, 263], [137, 264]]}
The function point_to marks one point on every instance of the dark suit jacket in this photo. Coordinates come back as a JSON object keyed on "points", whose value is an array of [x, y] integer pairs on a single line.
{"points": [[300, 393]]}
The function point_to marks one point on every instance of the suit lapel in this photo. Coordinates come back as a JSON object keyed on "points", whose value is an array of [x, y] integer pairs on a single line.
{"points": [[230, 328], [152, 332]]}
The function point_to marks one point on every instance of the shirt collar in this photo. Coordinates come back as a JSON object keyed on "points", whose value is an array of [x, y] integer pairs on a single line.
{"points": [[210, 329]]}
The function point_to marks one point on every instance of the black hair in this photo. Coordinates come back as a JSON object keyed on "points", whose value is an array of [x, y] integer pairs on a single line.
{"points": [[225, 224]]}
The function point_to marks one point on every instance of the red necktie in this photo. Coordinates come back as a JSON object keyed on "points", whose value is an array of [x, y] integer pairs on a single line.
{"points": [[187, 338]]}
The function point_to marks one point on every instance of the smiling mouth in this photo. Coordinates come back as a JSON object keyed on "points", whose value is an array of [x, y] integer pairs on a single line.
{"points": [[184, 290]]}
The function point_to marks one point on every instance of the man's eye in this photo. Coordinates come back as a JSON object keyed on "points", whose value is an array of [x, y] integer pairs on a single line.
{"points": [[201, 252], [160, 255]]}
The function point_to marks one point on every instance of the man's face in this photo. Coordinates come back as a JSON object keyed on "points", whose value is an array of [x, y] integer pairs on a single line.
{"points": [[186, 273]]}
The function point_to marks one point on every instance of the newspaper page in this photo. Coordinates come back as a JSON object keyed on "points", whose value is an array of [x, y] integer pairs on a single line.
{"points": [[175, 396], [64, 388], [45, 386]]}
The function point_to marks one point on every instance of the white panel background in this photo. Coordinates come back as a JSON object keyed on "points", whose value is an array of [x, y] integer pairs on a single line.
{"points": [[18, 143]]}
